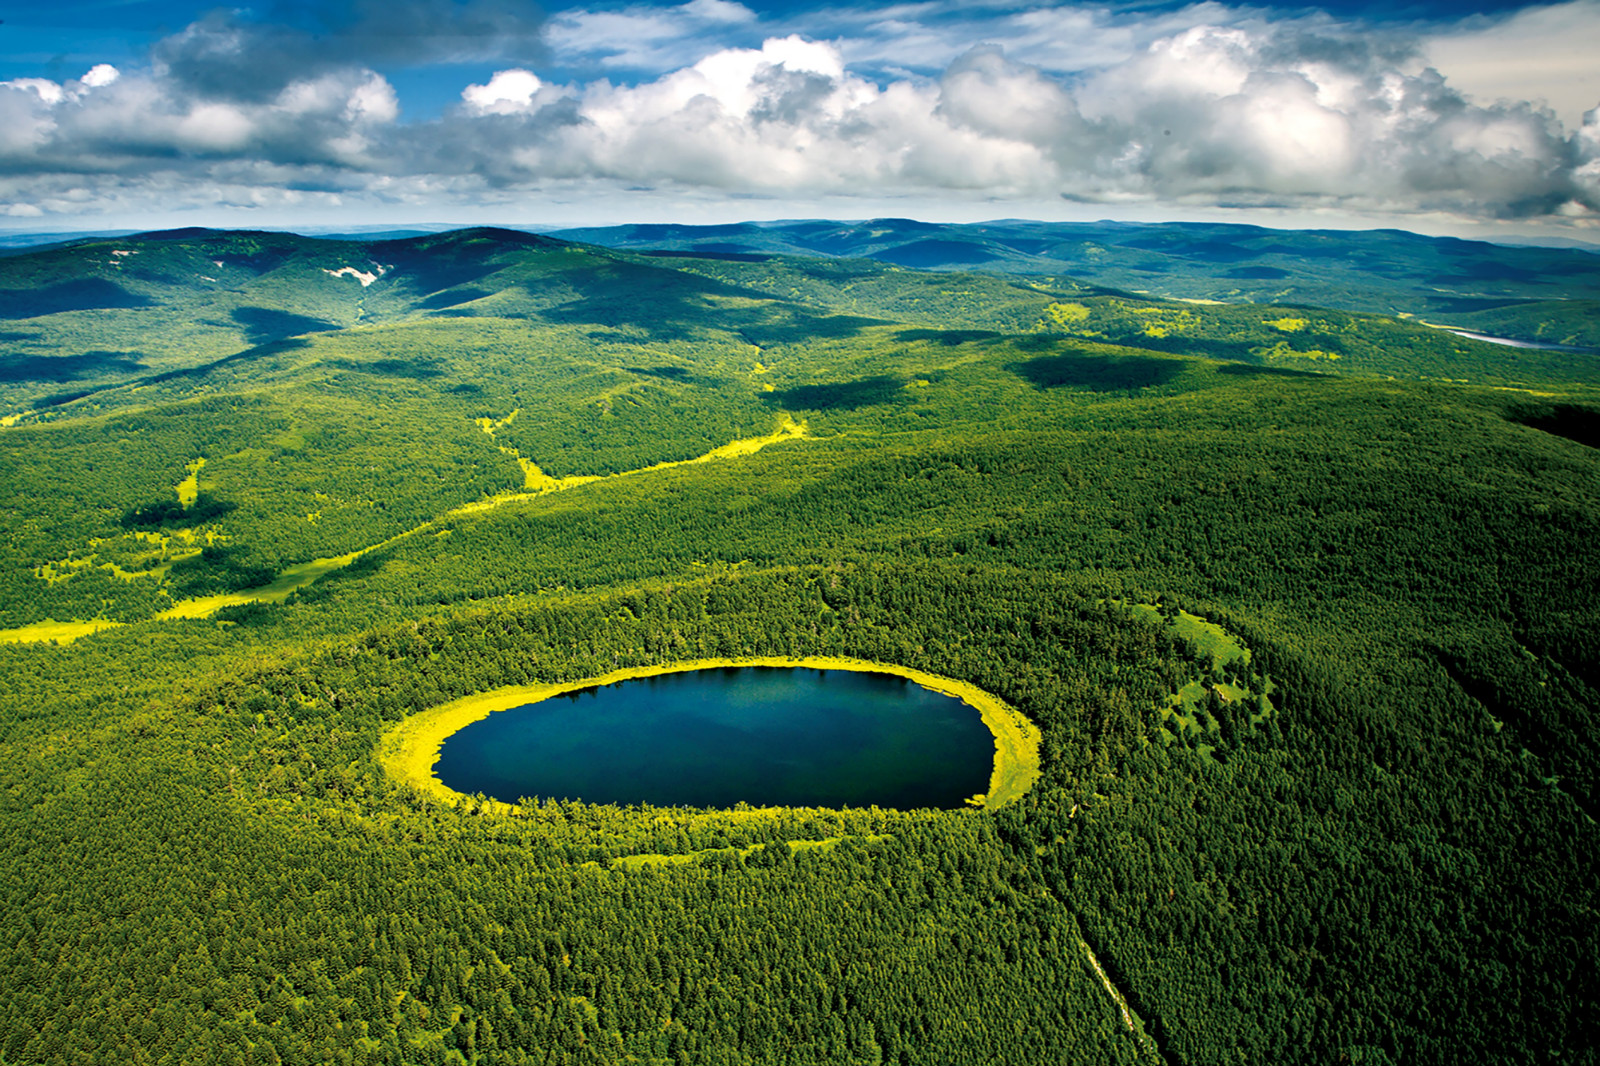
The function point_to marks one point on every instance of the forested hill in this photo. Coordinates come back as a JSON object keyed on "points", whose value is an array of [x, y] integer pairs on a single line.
{"points": [[1303, 602], [1536, 294], [183, 308]]}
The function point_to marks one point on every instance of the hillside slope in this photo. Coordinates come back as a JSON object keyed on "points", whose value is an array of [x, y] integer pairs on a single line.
{"points": [[1536, 294], [1311, 655]]}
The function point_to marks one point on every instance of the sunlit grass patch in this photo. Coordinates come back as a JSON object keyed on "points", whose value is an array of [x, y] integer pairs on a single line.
{"points": [[289, 581], [189, 488], [1187, 714], [300, 575], [1282, 350], [1066, 314], [1208, 638], [132, 556], [50, 631]]}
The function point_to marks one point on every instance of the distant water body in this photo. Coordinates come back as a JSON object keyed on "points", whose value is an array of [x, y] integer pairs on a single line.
{"points": [[712, 738], [1512, 343]]}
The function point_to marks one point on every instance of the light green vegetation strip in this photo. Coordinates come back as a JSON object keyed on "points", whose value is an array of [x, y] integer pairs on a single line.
{"points": [[636, 862], [537, 483], [1207, 637], [1133, 1022], [59, 632], [189, 487], [294, 577], [146, 555], [302, 574], [410, 750], [788, 429]]}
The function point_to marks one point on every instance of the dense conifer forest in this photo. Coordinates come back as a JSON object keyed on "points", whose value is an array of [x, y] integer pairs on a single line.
{"points": [[1303, 601]]}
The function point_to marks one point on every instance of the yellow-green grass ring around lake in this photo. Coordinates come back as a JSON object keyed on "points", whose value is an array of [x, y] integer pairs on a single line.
{"points": [[409, 751]]}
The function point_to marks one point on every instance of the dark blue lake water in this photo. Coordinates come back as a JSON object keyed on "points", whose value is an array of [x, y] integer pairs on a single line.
{"points": [[711, 738]]}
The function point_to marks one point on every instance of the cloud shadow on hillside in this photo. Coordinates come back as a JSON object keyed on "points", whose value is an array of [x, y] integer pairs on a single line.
{"points": [[1097, 373], [840, 395]]}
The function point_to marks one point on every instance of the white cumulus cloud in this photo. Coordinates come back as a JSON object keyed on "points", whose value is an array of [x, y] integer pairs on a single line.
{"points": [[1206, 106], [100, 75], [508, 92]]}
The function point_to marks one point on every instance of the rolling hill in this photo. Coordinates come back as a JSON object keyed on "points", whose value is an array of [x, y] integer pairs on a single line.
{"points": [[1535, 294], [1301, 599]]}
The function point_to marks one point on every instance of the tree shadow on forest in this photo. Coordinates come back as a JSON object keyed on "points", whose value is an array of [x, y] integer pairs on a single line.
{"points": [[1249, 370], [679, 375], [263, 325], [1259, 273], [728, 254], [452, 298], [949, 338], [63, 368], [840, 395], [84, 294], [1578, 424], [675, 311], [415, 369], [1097, 373], [427, 265], [932, 253]]}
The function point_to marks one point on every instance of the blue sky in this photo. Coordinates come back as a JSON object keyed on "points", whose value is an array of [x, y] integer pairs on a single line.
{"points": [[1464, 118]]}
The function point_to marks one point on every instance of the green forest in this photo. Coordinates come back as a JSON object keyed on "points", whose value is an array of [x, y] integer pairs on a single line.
{"points": [[1303, 600], [1544, 295]]}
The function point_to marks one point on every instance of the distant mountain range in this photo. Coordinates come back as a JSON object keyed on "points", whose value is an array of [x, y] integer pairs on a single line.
{"points": [[1525, 292], [107, 321], [1529, 293]]}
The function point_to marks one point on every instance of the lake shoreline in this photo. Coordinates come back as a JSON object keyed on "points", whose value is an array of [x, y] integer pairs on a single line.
{"points": [[410, 750]]}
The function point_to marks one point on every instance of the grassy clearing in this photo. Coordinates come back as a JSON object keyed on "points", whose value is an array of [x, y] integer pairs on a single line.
{"points": [[51, 631], [1288, 325], [157, 572], [130, 557], [535, 482], [410, 750], [1207, 637], [1183, 713], [788, 429], [189, 487]]}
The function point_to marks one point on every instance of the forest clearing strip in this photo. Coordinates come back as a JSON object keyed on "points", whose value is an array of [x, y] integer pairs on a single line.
{"points": [[292, 579], [409, 751], [638, 862], [1111, 989], [538, 483], [59, 632], [1134, 1027], [189, 488], [300, 575]]}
